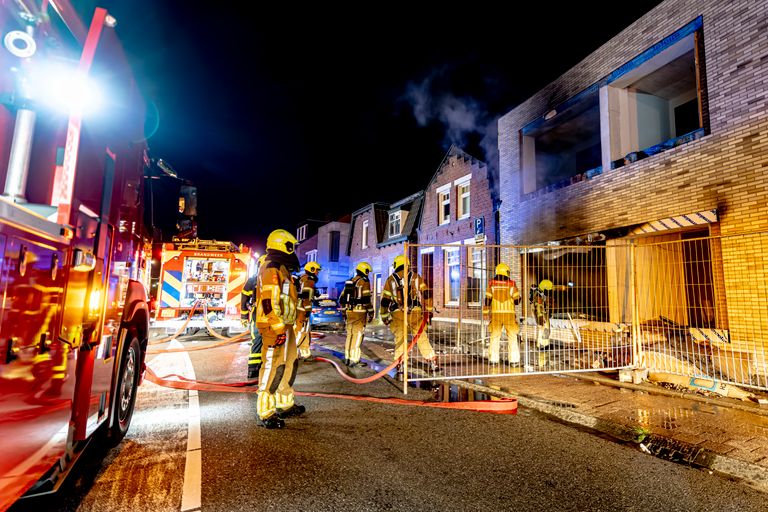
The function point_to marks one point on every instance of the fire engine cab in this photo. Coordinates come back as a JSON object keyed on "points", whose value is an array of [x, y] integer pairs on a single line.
{"points": [[74, 318], [207, 275]]}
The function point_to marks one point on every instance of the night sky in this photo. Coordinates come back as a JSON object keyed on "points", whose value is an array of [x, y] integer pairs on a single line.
{"points": [[283, 114]]}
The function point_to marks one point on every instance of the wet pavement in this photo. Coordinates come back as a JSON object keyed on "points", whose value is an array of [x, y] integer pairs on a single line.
{"points": [[719, 434]]}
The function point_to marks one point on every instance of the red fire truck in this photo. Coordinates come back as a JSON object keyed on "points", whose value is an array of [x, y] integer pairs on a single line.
{"points": [[205, 274], [74, 315]]}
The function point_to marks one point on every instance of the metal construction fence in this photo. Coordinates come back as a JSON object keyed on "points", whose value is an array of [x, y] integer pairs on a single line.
{"points": [[695, 308]]}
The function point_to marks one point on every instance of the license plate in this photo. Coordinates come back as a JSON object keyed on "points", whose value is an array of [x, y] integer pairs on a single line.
{"points": [[329, 312]]}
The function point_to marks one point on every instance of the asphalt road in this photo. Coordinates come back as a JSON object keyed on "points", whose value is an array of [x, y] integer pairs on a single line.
{"points": [[355, 455]]}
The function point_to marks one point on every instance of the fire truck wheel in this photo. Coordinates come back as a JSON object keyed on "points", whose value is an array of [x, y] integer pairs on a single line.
{"points": [[126, 388]]}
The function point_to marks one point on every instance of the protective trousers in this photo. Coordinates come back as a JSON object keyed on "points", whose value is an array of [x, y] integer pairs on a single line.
{"points": [[415, 318], [277, 373], [508, 322], [355, 328], [254, 358], [305, 337]]}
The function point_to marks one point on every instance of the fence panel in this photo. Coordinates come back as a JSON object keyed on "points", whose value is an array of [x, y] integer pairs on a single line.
{"points": [[691, 309], [702, 309], [553, 312]]}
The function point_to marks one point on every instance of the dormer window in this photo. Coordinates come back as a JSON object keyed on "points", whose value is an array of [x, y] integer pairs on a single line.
{"points": [[395, 228]]}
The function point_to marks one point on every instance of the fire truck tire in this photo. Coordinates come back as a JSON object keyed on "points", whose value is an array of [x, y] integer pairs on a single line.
{"points": [[126, 388]]}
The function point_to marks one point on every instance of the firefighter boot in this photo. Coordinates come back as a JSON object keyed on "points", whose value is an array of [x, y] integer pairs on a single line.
{"points": [[294, 410], [272, 422]]}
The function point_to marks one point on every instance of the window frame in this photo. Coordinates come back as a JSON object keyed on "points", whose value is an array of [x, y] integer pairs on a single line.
{"points": [[465, 181], [443, 198], [472, 249], [301, 233], [398, 214], [447, 253], [364, 235]]}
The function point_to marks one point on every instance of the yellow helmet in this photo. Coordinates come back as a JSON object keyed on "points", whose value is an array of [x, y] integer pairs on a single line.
{"points": [[281, 240], [546, 285], [313, 267], [399, 261], [502, 269], [364, 267]]}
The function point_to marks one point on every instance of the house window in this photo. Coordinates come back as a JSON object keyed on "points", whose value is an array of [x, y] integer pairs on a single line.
{"points": [[365, 234], [301, 233], [335, 239], [394, 224], [476, 276], [462, 192], [312, 255], [452, 278], [444, 207]]}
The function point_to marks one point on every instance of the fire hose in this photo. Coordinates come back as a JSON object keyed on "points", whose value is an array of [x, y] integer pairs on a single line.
{"points": [[225, 340], [175, 381]]}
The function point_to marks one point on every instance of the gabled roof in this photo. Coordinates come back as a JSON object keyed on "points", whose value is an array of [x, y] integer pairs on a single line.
{"points": [[456, 151]]}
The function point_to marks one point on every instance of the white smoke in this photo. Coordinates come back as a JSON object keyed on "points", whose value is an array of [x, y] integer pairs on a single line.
{"points": [[461, 118]]}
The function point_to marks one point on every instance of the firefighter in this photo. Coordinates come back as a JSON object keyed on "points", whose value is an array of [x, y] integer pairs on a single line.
{"points": [[248, 318], [358, 311], [500, 300], [539, 299], [397, 289], [307, 292], [276, 310]]}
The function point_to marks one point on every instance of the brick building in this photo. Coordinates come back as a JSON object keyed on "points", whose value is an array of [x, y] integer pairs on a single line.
{"points": [[332, 239], [306, 235], [325, 242], [378, 233], [457, 202], [661, 134]]}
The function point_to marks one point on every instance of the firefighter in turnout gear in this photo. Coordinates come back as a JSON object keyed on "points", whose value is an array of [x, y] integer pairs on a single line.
{"points": [[276, 311], [307, 292], [356, 299], [500, 301], [247, 316], [397, 289]]}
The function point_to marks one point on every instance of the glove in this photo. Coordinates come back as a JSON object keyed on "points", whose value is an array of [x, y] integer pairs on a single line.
{"points": [[244, 322], [387, 319], [280, 340], [369, 317], [428, 317]]}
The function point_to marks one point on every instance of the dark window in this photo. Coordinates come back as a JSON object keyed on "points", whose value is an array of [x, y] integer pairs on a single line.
{"points": [[687, 117], [427, 265], [335, 240]]}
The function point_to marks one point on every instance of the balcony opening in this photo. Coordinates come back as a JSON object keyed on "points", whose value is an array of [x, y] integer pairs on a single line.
{"points": [[564, 148], [658, 105]]}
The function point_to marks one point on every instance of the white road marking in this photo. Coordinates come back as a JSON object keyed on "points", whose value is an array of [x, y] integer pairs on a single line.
{"points": [[191, 498]]}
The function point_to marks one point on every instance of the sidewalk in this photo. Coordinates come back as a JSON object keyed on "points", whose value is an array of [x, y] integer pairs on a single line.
{"points": [[720, 434]]}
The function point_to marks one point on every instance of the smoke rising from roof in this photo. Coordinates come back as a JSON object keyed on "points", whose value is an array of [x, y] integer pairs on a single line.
{"points": [[464, 120]]}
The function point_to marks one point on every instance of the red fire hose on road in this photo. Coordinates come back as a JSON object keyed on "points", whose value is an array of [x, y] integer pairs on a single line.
{"points": [[175, 381]]}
